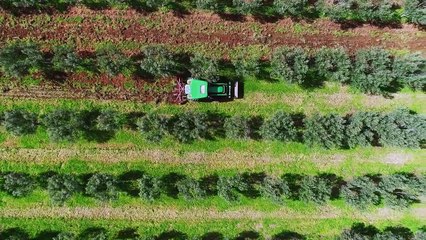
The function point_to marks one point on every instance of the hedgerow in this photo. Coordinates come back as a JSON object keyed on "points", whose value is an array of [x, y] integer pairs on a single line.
{"points": [[400, 128], [398, 190], [357, 231], [372, 71]]}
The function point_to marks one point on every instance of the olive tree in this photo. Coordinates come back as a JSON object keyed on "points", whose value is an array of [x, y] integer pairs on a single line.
{"points": [[62, 187], [102, 186], [212, 5], [62, 124], [153, 126], [274, 188], [363, 129], [333, 64], [237, 127], [361, 192], [18, 184], [65, 236], [415, 11], [190, 189], [204, 67], [159, 62], [411, 70], [17, 59], [111, 61], [108, 120], [315, 189], [279, 126], [228, 187], [247, 6], [327, 131], [189, 126], [290, 64], [65, 58], [293, 8], [20, 122], [400, 190], [149, 187]]}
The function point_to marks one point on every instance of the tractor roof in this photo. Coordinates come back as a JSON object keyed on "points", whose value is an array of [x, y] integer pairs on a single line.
{"points": [[197, 89]]}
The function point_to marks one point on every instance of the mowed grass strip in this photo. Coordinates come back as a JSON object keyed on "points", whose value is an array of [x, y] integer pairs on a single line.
{"points": [[260, 98], [344, 163]]}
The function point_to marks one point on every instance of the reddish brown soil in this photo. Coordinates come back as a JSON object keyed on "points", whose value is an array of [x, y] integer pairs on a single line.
{"points": [[133, 29]]}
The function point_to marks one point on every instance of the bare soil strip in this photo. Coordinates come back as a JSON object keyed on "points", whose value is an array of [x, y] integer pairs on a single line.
{"points": [[180, 31], [161, 214]]}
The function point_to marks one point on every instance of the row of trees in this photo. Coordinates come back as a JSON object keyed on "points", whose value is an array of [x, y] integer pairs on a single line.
{"points": [[373, 71], [401, 128], [357, 231], [397, 190], [383, 11]]}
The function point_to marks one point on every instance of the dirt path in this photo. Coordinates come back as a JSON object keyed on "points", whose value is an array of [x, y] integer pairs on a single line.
{"points": [[198, 30], [161, 214]]}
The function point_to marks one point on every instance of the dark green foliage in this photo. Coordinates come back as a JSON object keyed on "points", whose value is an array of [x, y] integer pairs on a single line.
{"points": [[14, 234], [149, 187], [159, 62], [20, 122], [111, 61], [108, 120], [157, 3], [279, 126], [333, 64], [23, 3], [65, 58], [420, 235], [315, 189], [361, 192], [373, 71], [290, 64], [246, 64], [62, 124], [102, 186], [247, 6], [94, 234], [65, 236], [411, 70], [326, 131], [203, 67], [153, 126], [19, 58], [18, 184], [62, 187], [359, 231], [212, 5], [190, 189], [293, 8], [400, 190], [363, 129], [274, 188], [228, 187], [190, 126], [395, 233], [237, 127], [415, 11]]}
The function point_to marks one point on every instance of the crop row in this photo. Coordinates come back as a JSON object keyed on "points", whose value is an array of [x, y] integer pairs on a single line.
{"points": [[396, 190], [357, 231], [373, 71], [400, 128], [383, 11]]}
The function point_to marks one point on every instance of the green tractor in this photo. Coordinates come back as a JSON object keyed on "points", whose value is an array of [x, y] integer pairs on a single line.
{"points": [[196, 89]]}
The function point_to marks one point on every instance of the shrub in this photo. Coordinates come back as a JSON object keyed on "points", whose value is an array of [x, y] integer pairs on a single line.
{"points": [[420, 235], [363, 129], [20, 122], [411, 70], [274, 188], [415, 11], [111, 61], [237, 127], [212, 5], [190, 189], [377, 11], [334, 64], [246, 64], [14, 234], [19, 58], [205, 68], [340, 10], [108, 120], [247, 6], [395, 233], [189, 126], [290, 64], [157, 3], [315, 189], [279, 126], [290, 7], [159, 62], [23, 3], [400, 190], [153, 126], [359, 231], [62, 187], [62, 124], [149, 187], [326, 131], [94, 234], [102, 186], [65, 236], [227, 187], [65, 58], [361, 192], [18, 184], [373, 71]]}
